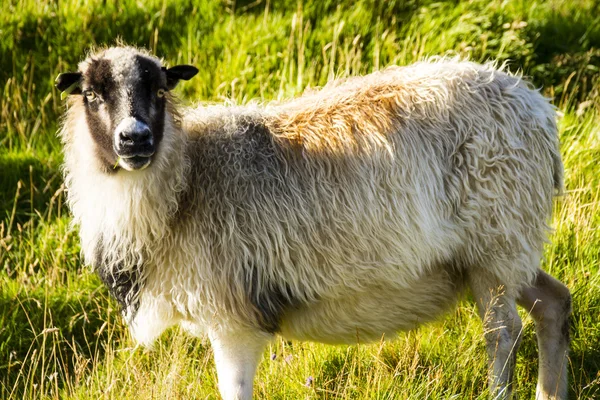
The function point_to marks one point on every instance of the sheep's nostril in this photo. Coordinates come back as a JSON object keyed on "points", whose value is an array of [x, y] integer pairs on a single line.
{"points": [[135, 143], [135, 136]]}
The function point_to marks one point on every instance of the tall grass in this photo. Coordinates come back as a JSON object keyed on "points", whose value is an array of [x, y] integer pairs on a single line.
{"points": [[60, 333]]}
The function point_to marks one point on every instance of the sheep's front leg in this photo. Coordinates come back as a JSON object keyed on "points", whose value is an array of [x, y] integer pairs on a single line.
{"points": [[549, 303], [237, 353]]}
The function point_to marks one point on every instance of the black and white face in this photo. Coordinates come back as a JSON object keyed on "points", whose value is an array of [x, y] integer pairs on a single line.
{"points": [[124, 94]]}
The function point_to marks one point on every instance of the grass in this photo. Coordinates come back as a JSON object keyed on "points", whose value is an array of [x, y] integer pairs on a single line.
{"points": [[60, 333]]}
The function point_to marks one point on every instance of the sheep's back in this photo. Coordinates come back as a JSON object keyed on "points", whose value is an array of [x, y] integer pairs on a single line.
{"points": [[376, 179]]}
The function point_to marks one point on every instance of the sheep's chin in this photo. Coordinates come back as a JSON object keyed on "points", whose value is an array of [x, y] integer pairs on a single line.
{"points": [[137, 163]]}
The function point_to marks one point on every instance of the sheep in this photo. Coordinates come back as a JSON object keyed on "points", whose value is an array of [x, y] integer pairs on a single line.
{"points": [[349, 213]]}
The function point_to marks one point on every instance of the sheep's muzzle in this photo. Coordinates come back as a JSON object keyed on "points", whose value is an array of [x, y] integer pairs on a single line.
{"points": [[134, 144]]}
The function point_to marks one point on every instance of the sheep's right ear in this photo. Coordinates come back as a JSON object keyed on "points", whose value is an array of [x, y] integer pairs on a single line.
{"points": [[68, 83], [174, 74]]}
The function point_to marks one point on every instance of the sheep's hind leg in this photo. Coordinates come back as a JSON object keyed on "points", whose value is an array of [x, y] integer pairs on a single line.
{"points": [[502, 330], [549, 303], [237, 354]]}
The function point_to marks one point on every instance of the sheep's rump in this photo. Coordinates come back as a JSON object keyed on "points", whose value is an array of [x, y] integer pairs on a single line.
{"points": [[375, 180]]}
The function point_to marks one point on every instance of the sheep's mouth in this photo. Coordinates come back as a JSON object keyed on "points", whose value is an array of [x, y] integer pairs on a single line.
{"points": [[134, 163]]}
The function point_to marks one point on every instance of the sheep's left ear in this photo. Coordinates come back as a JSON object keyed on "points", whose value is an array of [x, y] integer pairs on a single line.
{"points": [[68, 83], [174, 74]]}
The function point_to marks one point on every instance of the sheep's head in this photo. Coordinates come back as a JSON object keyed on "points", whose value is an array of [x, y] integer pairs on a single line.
{"points": [[124, 94]]}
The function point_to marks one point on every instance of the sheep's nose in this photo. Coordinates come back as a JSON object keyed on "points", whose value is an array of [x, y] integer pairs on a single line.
{"points": [[133, 138], [140, 136]]}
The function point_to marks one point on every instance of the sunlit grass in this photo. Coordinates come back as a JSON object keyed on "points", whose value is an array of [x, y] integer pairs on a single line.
{"points": [[61, 335]]}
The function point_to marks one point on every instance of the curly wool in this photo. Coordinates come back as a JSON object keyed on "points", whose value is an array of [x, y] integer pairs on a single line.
{"points": [[376, 192]]}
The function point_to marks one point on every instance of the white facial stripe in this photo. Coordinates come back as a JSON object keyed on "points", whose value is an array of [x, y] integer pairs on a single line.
{"points": [[123, 59], [125, 72], [123, 64]]}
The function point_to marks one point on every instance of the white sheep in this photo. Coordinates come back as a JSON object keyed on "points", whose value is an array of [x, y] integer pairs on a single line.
{"points": [[352, 212]]}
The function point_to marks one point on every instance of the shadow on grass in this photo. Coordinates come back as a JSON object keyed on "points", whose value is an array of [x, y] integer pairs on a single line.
{"points": [[27, 184], [51, 335], [567, 53]]}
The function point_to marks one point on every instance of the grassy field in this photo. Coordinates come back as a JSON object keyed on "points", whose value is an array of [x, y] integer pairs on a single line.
{"points": [[61, 336]]}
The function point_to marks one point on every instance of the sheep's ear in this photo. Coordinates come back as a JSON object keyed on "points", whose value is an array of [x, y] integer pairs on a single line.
{"points": [[68, 83], [174, 74]]}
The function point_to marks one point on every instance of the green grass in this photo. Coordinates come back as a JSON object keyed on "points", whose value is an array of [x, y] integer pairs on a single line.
{"points": [[60, 333]]}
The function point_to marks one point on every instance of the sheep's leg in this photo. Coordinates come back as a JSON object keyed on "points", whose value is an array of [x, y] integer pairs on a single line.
{"points": [[549, 303], [237, 354], [502, 330]]}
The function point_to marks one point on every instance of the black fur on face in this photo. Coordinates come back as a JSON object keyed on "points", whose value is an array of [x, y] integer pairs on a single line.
{"points": [[152, 79], [99, 82]]}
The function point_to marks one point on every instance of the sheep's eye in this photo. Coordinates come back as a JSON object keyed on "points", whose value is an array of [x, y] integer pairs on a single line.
{"points": [[90, 95], [160, 93]]}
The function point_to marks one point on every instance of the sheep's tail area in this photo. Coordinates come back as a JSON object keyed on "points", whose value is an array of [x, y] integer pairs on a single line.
{"points": [[557, 164], [558, 171], [552, 141]]}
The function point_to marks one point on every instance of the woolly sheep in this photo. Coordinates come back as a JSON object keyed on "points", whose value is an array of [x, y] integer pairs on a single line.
{"points": [[349, 213]]}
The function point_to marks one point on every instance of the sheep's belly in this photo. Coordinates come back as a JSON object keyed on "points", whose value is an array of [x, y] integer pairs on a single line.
{"points": [[379, 311]]}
